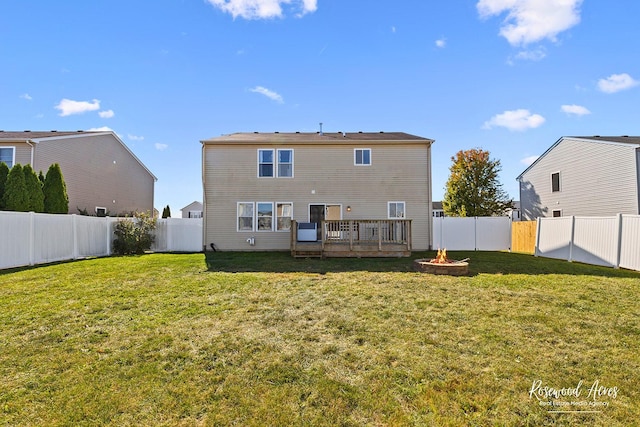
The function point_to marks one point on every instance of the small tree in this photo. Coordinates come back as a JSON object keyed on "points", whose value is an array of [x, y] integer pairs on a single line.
{"points": [[56, 199], [473, 188], [15, 191], [4, 173], [34, 189], [166, 212], [134, 235]]}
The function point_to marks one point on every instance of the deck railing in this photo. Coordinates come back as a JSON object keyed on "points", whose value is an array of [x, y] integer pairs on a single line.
{"points": [[382, 231], [361, 237]]}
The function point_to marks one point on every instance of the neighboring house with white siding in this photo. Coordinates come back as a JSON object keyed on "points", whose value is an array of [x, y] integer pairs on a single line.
{"points": [[583, 176], [257, 184], [101, 173], [192, 210]]}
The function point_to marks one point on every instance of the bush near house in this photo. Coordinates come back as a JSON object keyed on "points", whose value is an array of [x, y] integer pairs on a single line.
{"points": [[4, 173], [15, 196], [56, 199], [134, 235], [34, 189]]}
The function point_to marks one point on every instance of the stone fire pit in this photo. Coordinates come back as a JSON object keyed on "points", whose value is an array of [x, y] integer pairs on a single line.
{"points": [[442, 265]]}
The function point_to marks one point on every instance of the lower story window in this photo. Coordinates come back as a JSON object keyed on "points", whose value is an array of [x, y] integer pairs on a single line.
{"points": [[396, 210], [284, 212], [265, 216], [557, 213], [245, 216]]}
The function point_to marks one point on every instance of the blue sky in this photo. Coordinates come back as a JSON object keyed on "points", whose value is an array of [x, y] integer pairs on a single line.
{"points": [[508, 76]]}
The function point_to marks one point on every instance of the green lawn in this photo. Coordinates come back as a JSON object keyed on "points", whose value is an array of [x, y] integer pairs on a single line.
{"points": [[264, 339]]}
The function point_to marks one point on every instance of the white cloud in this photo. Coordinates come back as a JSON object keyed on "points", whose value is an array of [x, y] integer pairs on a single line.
{"points": [[517, 120], [107, 114], [616, 83], [268, 93], [536, 54], [528, 161], [530, 21], [575, 110], [100, 129], [69, 107], [263, 9], [26, 96], [442, 42], [161, 147], [393, 29], [134, 137]]}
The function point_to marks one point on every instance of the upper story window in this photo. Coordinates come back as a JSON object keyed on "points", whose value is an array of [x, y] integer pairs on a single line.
{"points": [[265, 163], [362, 156], [555, 182], [7, 155], [396, 210], [285, 163], [272, 163]]}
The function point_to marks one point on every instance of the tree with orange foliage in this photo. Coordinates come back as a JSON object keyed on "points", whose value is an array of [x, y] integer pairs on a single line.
{"points": [[473, 188]]}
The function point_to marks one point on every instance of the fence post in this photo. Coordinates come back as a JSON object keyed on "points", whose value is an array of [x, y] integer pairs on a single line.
{"points": [[108, 221], [74, 234], [536, 249], [619, 241], [573, 231], [32, 238], [475, 233]]}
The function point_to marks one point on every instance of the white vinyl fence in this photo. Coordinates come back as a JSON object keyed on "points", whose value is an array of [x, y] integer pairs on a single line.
{"points": [[472, 233], [30, 238], [608, 241]]}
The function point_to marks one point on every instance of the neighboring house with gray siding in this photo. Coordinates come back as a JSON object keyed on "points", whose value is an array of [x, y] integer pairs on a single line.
{"points": [[101, 173], [583, 176], [255, 184], [192, 210]]}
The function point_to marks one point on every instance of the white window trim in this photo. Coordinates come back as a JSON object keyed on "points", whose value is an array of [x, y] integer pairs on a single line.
{"points": [[283, 216], [559, 181], [100, 207], [257, 217], [556, 210], [396, 202], [253, 217], [195, 214], [13, 157], [274, 163], [277, 163], [362, 164]]}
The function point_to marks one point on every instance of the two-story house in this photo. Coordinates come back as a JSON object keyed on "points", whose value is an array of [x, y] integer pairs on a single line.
{"points": [[101, 173], [584, 176], [256, 185]]}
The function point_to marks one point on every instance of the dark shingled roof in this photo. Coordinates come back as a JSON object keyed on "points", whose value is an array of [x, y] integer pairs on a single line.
{"points": [[316, 137], [625, 138], [27, 134]]}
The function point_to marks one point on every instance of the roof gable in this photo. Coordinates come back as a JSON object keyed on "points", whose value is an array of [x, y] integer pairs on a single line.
{"points": [[631, 140], [37, 136]]}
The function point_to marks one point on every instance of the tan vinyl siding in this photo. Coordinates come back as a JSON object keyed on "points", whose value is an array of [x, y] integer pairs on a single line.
{"points": [[99, 172], [596, 179], [22, 151], [323, 174]]}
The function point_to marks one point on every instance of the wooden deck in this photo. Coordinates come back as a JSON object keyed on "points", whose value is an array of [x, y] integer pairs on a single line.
{"points": [[356, 239]]}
